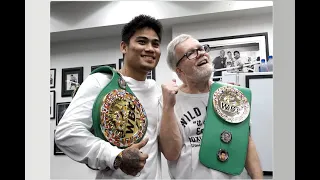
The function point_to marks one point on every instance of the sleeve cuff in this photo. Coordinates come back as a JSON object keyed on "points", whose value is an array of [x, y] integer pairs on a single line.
{"points": [[113, 154]]}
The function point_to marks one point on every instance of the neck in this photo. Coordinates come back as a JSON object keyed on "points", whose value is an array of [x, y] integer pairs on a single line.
{"points": [[196, 87], [133, 73]]}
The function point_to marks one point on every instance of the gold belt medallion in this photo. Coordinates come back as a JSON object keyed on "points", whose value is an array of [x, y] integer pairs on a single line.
{"points": [[123, 119], [231, 104]]}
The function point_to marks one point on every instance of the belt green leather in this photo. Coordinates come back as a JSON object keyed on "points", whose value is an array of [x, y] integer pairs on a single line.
{"points": [[122, 102], [224, 143]]}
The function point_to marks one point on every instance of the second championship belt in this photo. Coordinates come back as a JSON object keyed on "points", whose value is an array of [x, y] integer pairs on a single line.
{"points": [[226, 131], [118, 116]]}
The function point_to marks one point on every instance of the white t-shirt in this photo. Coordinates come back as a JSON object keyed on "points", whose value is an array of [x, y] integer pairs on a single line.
{"points": [[190, 110], [74, 139]]}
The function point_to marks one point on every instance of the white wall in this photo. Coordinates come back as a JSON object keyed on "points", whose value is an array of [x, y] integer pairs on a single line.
{"points": [[86, 53], [107, 13]]}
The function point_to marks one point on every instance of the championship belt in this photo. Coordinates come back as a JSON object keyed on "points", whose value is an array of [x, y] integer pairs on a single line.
{"points": [[226, 131], [118, 116]]}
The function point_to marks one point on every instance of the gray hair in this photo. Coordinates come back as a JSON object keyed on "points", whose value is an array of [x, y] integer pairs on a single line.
{"points": [[171, 54]]}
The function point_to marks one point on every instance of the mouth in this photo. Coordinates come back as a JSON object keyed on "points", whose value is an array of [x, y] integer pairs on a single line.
{"points": [[202, 62], [148, 57]]}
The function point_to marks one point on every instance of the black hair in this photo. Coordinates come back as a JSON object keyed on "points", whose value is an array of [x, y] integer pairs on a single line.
{"points": [[228, 52], [234, 52], [140, 22]]}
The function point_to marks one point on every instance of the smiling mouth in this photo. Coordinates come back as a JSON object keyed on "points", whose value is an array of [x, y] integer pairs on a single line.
{"points": [[148, 57], [203, 62]]}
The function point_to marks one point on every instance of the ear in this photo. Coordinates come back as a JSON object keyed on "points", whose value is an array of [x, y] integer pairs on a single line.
{"points": [[123, 47]]}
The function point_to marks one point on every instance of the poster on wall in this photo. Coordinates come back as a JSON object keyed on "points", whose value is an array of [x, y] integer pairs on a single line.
{"points": [[52, 78], [52, 104], [228, 53], [56, 150], [110, 65], [71, 77], [61, 108]]}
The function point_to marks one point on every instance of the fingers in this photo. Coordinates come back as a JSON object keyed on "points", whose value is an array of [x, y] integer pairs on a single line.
{"points": [[143, 157], [142, 143]]}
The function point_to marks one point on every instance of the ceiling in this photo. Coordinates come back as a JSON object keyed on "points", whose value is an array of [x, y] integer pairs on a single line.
{"points": [[105, 31]]}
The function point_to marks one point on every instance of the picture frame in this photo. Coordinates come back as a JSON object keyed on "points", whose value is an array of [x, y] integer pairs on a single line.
{"points": [[251, 48], [261, 115], [71, 77], [120, 63], [52, 78], [151, 74], [56, 150], [111, 65], [61, 107], [52, 104]]}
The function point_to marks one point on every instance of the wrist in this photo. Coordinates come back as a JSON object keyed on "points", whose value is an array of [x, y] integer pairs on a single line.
{"points": [[118, 160]]}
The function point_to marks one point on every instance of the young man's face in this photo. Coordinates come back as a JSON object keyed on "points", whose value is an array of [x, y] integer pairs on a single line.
{"points": [[143, 51]]}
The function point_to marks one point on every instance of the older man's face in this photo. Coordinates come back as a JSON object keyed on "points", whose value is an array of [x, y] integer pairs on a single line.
{"points": [[199, 68]]}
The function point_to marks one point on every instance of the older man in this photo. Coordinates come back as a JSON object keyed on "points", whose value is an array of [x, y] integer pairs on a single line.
{"points": [[184, 112]]}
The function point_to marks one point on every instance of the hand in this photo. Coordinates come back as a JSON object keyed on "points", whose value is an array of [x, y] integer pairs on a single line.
{"points": [[169, 91], [133, 160]]}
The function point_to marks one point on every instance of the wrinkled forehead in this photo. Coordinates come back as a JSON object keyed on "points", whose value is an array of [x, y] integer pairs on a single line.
{"points": [[186, 46]]}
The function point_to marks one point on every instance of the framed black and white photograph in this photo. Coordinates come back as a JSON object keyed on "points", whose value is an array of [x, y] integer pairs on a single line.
{"points": [[52, 78], [150, 75], [52, 104], [120, 63], [96, 66], [61, 108], [56, 150], [71, 77], [261, 116], [227, 52]]}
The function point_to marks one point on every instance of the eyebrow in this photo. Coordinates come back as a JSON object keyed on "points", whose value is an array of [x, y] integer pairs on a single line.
{"points": [[198, 46], [145, 38]]}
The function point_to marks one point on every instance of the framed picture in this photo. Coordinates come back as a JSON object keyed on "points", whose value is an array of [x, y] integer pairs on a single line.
{"points": [[71, 77], [150, 75], [52, 104], [120, 63], [261, 116], [249, 48], [96, 66], [56, 150], [52, 78], [61, 108]]}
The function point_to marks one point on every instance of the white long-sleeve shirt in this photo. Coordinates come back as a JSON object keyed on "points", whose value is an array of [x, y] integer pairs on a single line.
{"points": [[76, 141]]}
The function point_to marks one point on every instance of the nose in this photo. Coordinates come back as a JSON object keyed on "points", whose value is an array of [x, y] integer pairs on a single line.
{"points": [[200, 53], [149, 47]]}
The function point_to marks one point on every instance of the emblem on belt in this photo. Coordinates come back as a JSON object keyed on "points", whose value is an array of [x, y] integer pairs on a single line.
{"points": [[231, 104], [223, 155], [123, 120]]}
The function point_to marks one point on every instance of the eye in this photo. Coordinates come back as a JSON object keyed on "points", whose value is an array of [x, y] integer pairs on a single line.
{"points": [[155, 44], [190, 53], [141, 42]]}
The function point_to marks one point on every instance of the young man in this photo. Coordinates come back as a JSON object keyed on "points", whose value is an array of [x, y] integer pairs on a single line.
{"points": [[140, 46], [180, 140]]}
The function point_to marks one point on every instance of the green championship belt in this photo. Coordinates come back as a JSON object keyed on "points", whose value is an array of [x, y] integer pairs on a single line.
{"points": [[118, 116], [226, 131]]}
